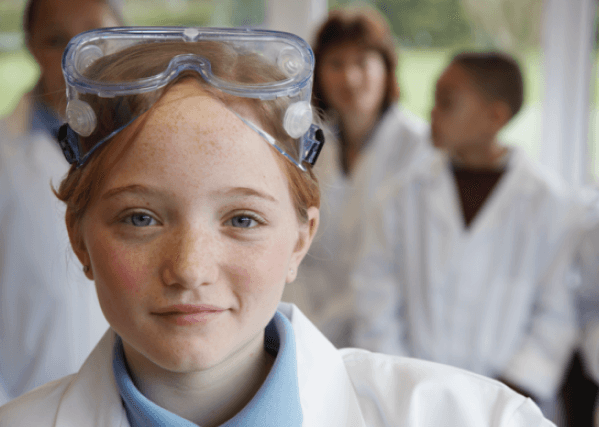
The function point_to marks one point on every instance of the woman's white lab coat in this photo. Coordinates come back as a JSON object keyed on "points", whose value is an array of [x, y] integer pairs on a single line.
{"points": [[493, 298], [322, 290], [50, 318], [338, 388]]}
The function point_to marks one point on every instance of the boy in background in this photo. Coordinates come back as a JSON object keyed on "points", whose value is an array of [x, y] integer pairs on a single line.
{"points": [[466, 256]]}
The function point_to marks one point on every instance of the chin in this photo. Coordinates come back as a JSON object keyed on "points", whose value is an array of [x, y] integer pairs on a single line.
{"points": [[181, 355], [187, 360]]}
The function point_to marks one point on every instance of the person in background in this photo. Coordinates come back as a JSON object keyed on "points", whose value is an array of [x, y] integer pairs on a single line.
{"points": [[48, 25], [467, 260], [580, 390], [49, 314], [356, 90], [192, 208]]}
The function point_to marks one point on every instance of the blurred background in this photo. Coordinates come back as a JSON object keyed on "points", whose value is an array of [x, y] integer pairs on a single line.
{"points": [[559, 71]]}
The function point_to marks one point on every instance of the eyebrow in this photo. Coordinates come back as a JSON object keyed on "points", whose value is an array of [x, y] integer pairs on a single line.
{"points": [[247, 192], [230, 192], [134, 189]]}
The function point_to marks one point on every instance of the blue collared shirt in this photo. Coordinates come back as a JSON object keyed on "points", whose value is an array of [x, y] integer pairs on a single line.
{"points": [[276, 403]]}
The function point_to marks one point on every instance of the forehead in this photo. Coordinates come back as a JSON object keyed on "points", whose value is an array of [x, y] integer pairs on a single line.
{"points": [[189, 136], [74, 16], [456, 79], [344, 49]]}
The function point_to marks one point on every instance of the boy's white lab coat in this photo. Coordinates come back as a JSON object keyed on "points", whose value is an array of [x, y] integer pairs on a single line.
{"points": [[338, 388], [50, 318], [322, 287], [493, 298]]}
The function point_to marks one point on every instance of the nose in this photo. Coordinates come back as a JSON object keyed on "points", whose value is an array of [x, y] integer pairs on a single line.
{"points": [[352, 75], [191, 258]]}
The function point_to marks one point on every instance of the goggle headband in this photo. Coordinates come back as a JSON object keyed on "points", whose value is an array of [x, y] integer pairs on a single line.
{"points": [[290, 53]]}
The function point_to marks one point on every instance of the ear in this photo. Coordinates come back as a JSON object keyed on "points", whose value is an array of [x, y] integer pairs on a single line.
{"points": [[500, 114], [307, 231], [78, 245]]}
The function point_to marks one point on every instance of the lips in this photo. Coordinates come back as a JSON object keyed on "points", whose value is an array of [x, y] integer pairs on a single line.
{"points": [[189, 314], [188, 308]]}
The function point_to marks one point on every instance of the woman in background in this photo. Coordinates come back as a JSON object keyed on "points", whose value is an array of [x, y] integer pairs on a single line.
{"points": [[356, 90]]}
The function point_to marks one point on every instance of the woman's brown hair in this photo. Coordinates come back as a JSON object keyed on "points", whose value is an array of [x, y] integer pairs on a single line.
{"points": [[81, 185], [365, 27]]}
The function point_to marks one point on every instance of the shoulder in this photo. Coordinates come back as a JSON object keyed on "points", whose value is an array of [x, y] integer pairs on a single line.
{"points": [[19, 121], [36, 408], [534, 177], [410, 122], [427, 170], [30, 162], [400, 134], [427, 393]]}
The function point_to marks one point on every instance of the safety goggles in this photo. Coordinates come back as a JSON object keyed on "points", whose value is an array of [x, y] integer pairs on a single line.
{"points": [[94, 91]]}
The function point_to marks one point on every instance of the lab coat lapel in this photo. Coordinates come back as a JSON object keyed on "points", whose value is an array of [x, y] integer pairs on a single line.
{"points": [[327, 394], [94, 379], [442, 199], [511, 184], [442, 224]]}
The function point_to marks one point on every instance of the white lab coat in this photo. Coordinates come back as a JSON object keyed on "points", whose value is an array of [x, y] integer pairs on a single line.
{"points": [[50, 318], [494, 298], [338, 388], [322, 290]]}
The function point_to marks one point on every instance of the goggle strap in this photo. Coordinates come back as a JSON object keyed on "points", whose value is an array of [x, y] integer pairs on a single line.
{"points": [[69, 143], [314, 141]]}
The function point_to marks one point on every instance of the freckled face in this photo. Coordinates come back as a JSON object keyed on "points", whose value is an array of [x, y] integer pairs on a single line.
{"points": [[192, 236], [461, 114]]}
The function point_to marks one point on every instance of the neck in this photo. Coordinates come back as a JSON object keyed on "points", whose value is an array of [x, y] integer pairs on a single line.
{"points": [[355, 129], [488, 155], [209, 397]]}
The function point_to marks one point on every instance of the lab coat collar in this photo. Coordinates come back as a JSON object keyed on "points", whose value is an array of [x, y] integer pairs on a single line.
{"points": [[95, 379], [443, 197], [327, 395]]}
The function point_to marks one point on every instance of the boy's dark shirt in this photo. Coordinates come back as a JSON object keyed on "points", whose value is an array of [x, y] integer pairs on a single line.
{"points": [[474, 187]]}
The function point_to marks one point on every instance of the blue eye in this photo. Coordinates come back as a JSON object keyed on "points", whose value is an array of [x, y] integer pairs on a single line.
{"points": [[243, 221], [140, 220]]}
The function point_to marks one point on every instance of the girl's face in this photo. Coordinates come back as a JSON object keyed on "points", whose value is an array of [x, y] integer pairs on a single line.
{"points": [[193, 235], [353, 79]]}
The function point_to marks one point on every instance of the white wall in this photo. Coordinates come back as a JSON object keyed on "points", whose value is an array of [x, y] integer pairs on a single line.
{"points": [[568, 38], [300, 17]]}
